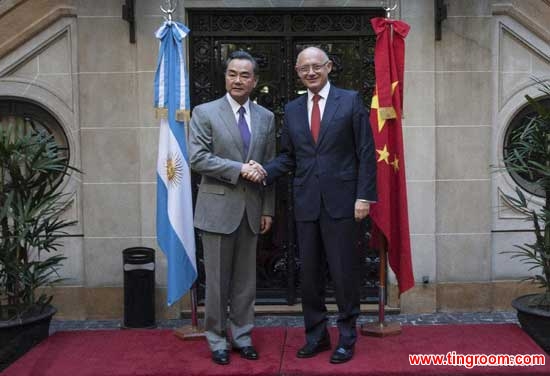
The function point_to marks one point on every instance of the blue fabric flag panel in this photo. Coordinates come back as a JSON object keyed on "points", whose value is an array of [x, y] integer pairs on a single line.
{"points": [[175, 232]]}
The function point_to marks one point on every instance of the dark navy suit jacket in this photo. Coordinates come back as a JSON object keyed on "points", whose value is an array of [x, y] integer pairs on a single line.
{"points": [[339, 168]]}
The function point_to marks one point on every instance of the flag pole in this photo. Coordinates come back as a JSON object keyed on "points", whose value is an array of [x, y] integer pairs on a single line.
{"points": [[382, 328], [194, 331], [194, 320]]}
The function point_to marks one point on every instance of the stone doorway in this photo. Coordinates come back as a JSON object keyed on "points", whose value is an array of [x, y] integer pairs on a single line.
{"points": [[274, 37]]}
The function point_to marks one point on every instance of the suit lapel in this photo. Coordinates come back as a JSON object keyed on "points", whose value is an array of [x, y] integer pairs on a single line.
{"points": [[331, 106], [228, 117], [255, 128], [303, 122]]}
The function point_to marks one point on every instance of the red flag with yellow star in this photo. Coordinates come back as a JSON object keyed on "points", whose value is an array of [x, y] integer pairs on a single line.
{"points": [[389, 214]]}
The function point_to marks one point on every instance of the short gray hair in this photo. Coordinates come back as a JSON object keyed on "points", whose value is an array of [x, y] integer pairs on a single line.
{"points": [[243, 55]]}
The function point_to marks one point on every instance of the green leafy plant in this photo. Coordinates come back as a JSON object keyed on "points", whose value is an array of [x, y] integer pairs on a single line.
{"points": [[31, 218], [528, 154]]}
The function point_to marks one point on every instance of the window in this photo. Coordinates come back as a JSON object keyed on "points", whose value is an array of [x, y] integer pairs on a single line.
{"points": [[27, 117], [524, 180]]}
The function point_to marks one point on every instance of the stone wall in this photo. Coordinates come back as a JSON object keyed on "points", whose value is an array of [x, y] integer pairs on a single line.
{"points": [[460, 94], [463, 96]]}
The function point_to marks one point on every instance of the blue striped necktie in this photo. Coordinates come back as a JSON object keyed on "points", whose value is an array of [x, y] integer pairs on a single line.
{"points": [[243, 128]]}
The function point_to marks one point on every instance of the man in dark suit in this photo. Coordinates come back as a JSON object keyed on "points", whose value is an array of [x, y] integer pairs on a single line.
{"points": [[231, 210], [327, 142]]}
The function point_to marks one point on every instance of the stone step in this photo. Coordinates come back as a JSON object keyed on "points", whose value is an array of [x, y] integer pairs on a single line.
{"points": [[296, 309]]}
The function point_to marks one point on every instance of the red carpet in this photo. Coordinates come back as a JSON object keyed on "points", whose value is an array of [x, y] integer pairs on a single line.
{"points": [[160, 353]]}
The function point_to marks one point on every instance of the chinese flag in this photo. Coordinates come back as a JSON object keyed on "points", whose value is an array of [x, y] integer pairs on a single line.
{"points": [[389, 215]]}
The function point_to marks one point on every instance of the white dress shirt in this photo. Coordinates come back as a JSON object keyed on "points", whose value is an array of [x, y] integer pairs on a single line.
{"points": [[235, 106], [322, 102]]}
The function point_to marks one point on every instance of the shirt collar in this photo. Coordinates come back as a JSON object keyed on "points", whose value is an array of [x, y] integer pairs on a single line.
{"points": [[323, 92], [235, 105]]}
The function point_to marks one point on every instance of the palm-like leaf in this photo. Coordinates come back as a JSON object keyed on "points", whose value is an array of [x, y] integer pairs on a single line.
{"points": [[31, 218], [528, 153]]}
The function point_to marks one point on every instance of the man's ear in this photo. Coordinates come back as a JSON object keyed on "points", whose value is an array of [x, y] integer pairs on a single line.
{"points": [[329, 66]]}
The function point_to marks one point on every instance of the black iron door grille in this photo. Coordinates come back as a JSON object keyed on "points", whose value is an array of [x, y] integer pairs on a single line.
{"points": [[274, 37]]}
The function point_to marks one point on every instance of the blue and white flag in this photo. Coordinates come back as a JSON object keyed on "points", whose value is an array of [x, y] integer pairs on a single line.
{"points": [[175, 232]]}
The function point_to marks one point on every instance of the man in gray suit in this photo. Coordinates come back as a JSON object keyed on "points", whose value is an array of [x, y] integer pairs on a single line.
{"points": [[225, 135]]}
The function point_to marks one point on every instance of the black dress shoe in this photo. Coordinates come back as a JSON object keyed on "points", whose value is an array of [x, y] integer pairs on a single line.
{"points": [[311, 349], [249, 352], [220, 357], [341, 355]]}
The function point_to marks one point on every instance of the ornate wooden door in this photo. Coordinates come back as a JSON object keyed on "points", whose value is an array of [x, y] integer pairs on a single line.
{"points": [[274, 37]]}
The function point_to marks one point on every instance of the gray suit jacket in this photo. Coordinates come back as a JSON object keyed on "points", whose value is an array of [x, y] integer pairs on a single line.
{"points": [[215, 152]]}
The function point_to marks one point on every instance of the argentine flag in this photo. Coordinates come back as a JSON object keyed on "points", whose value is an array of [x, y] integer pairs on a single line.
{"points": [[175, 232]]}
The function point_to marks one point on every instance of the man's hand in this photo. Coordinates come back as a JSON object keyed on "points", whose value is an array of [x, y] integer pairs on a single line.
{"points": [[361, 210], [258, 167], [265, 224], [253, 171]]}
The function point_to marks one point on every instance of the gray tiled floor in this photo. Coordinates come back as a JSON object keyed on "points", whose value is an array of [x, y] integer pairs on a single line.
{"points": [[296, 321]]}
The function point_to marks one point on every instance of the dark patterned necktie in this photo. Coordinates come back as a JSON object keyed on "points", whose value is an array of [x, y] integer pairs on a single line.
{"points": [[243, 128]]}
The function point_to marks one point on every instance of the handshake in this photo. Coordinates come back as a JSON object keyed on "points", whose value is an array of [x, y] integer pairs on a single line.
{"points": [[253, 171]]}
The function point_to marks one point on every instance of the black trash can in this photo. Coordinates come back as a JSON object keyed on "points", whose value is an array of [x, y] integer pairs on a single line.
{"points": [[139, 287]]}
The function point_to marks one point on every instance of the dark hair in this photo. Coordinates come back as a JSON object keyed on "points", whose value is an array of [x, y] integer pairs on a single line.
{"points": [[244, 56]]}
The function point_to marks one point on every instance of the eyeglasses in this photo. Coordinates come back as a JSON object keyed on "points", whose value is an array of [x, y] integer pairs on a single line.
{"points": [[304, 69]]}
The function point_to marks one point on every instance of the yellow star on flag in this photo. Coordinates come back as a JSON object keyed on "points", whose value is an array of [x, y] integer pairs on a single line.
{"points": [[375, 104], [383, 154], [395, 163]]}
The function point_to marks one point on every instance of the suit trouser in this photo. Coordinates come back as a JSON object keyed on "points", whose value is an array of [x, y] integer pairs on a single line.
{"points": [[230, 268], [329, 241]]}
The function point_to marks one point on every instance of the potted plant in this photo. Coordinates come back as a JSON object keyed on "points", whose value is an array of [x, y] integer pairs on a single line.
{"points": [[31, 224], [528, 154]]}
